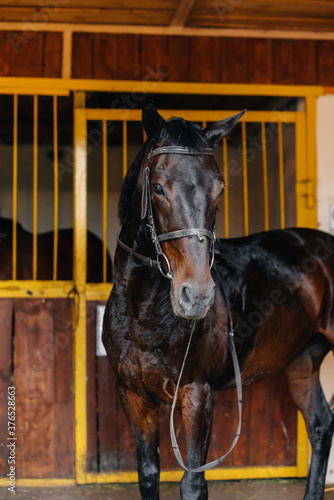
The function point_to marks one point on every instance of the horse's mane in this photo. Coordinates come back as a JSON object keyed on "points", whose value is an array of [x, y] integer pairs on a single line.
{"points": [[175, 132]]}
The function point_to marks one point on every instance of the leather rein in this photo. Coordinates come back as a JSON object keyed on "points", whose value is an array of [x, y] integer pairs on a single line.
{"points": [[147, 212]]}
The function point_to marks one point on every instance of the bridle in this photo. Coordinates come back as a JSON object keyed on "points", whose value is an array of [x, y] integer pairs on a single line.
{"points": [[147, 212]]}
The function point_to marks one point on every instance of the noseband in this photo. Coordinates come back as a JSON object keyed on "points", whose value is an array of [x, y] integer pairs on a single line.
{"points": [[147, 211]]}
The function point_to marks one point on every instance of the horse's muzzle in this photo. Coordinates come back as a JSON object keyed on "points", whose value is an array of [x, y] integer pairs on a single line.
{"points": [[191, 301]]}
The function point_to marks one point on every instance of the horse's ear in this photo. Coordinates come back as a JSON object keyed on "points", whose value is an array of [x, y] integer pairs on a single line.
{"points": [[152, 121], [217, 130]]}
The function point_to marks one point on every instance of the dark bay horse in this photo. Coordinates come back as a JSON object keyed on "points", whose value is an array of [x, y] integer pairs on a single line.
{"points": [[45, 254], [277, 285]]}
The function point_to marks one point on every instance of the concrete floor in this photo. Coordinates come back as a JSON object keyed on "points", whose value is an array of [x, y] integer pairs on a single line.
{"points": [[222, 490]]}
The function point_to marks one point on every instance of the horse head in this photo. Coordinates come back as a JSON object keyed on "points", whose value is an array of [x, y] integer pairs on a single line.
{"points": [[181, 190]]}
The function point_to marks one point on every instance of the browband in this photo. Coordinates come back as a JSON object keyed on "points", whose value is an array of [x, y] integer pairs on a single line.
{"points": [[180, 151]]}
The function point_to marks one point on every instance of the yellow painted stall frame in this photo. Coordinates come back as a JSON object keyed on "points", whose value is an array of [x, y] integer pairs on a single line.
{"points": [[306, 215]]}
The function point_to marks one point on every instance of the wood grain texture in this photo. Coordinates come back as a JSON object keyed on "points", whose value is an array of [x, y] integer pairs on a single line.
{"points": [[325, 62], [234, 60], [204, 59], [260, 61], [82, 54], [34, 369], [52, 55], [64, 388], [92, 439], [6, 323], [284, 62]]}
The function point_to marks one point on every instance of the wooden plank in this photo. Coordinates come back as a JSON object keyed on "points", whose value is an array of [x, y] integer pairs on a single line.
{"points": [[105, 62], [53, 46], [234, 60], [248, 19], [325, 62], [305, 62], [91, 389], [260, 61], [5, 48], [259, 420], [64, 395], [284, 61], [204, 59], [223, 429], [66, 14], [6, 322], [27, 54], [34, 380], [102, 4], [128, 57], [154, 58], [282, 433], [179, 59], [82, 55]]}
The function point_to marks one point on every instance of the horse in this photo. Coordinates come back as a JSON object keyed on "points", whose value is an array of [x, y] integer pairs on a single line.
{"points": [[173, 279], [45, 254]]}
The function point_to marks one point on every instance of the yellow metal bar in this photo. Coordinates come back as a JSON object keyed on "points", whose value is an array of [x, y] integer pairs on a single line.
{"points": [[39, 483], [265, 176], [57, 86], [281, 174], [125, 148], [302, 446], [35, 289], [226, 211], [98, 291], [55, 186], [104, 198], [232, 473], [245, 178], [14, 242], [194, 115], [301, 172], [80, 266], [35, 188], [311, 149]]}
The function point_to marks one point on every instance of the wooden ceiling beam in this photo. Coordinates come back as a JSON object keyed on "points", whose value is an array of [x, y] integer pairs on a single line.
{"points": [[182, 13], [166, 30]]}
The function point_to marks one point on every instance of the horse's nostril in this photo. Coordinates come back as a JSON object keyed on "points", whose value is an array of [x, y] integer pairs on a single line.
{"points": [[186, 298]]}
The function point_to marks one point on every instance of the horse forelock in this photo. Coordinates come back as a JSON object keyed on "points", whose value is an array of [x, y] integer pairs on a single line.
{"points": [[180, 132], [176, 132]]}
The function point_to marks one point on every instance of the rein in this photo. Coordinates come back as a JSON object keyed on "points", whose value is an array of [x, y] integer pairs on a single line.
{"points": [[147, 212]]}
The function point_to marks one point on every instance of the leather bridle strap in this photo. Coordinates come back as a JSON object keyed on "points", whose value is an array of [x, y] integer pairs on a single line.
{"points": [[146, 260], [180, 150], [200, 233]]}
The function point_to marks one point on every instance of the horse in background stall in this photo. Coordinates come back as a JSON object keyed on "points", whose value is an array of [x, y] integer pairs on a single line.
{"points": [[168, 291], [45, 254]]}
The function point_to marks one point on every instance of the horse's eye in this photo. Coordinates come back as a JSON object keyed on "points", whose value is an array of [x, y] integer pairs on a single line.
{"points": [[157, 188]]}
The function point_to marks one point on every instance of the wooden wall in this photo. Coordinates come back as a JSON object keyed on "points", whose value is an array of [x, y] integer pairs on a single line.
{"points": [[179, 59], [36, 356]]}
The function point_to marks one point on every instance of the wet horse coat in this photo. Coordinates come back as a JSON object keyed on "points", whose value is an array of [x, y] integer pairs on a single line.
{"points": [[279, 286]]}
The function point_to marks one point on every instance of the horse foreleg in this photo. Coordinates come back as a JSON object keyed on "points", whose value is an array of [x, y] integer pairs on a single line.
{"points": [[303, 376], [142, 414], [197, 408]]}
